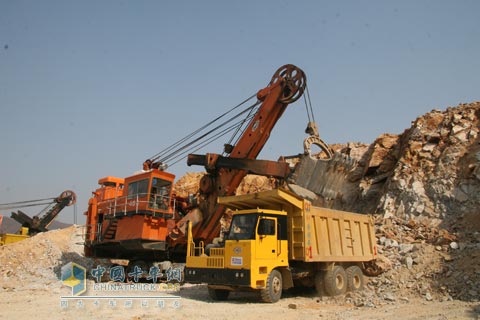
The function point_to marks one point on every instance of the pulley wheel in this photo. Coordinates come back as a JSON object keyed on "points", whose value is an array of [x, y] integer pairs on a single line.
{"points": [[295, 82], [68, 194]]}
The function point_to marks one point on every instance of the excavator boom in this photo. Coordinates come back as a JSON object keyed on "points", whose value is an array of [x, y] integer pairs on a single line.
{"points": [[286, 86], [40, 223]]}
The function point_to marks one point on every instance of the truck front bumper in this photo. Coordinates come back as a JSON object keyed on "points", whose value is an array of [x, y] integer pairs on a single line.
{"points": [[233, 277]]}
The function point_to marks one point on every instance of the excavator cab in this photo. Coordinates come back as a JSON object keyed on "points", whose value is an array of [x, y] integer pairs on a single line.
{"points": [[149, 193], [130, 217]]}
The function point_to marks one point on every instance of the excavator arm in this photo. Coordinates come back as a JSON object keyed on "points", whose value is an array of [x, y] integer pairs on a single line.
{"points": [[224, 174], [213, 162], [40, 223]]}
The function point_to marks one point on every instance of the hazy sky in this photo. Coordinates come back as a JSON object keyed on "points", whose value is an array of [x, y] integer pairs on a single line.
{"points": [[93, 88]]}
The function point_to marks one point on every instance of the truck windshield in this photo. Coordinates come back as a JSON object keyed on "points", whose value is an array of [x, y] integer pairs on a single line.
{"points": [[243, 227]]}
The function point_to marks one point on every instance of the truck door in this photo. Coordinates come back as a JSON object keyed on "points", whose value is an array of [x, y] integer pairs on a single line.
{"points": [[266, 242]]}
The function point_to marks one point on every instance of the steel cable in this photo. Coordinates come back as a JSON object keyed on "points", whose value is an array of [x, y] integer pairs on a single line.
{"points": [[189, 136], [181, 149], [24, 202], [24, 206], [203, 144], [308, 105]]}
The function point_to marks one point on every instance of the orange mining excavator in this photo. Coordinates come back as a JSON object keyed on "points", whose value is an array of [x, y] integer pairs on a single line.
{"points": [[139, 218]]}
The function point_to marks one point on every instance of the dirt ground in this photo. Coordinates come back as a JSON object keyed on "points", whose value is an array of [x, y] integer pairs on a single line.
{"points": [[31, 288], [192, 301]]}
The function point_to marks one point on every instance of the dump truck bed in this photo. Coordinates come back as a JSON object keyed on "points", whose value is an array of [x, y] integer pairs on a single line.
{"points": [[320, 234], [315, 234]]}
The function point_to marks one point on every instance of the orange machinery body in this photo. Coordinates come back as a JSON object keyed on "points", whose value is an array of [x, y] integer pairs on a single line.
{"points": [[131, 218]]}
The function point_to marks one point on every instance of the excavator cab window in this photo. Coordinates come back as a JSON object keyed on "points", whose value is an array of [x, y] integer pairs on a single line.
{"points": [[137, 189], [160, 194], [112, 185]]}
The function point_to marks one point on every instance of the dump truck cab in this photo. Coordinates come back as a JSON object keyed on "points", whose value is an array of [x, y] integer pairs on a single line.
{"points": [[255, 244]]}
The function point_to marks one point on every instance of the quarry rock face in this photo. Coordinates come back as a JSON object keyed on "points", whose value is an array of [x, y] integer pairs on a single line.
{"points": [[431, 171], [423, 188], [436, 175]]}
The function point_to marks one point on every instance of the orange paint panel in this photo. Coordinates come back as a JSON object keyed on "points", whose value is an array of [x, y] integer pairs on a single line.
{"points": [[155, 229], [141, 227], [129, 228]]}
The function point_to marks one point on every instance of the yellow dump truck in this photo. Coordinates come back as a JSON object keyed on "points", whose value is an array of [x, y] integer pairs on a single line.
{"points": [[278, 240]]}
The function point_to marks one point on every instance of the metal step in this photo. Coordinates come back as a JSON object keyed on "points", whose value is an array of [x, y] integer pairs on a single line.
{"points": [[111, 230]]}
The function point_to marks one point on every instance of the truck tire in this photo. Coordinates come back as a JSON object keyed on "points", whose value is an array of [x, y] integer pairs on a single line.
{"points": [[218, 294], [319, 283], [335, 281], [273, 289], [354, 278]]}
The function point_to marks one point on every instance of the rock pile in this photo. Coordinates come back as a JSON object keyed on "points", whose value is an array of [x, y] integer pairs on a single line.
{"points": [[431, 171], [424, 188], [437, 172], [189, 183], [35, 263], [434, 195]]}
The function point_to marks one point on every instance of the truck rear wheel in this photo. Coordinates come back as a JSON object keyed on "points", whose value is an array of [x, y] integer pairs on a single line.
{"points": [[354, 278], [218, 294], [273, 289], [335, 281]]}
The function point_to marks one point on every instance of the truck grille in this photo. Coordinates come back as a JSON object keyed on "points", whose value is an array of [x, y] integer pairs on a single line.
{"points": [[215, 262]]}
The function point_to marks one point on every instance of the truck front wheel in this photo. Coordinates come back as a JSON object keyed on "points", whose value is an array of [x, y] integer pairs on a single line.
{"points": [[336, 281], [273, 289], [218, 294]]}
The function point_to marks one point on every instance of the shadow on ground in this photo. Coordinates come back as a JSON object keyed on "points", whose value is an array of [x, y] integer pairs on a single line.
{"points": [[200, 293]]}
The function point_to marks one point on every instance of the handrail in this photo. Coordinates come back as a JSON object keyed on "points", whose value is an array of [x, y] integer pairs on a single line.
{"points": [[88, 230], [192, 249], [120, 204]]}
